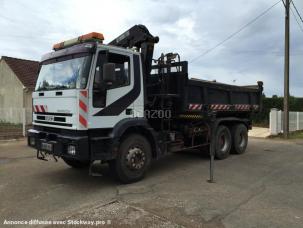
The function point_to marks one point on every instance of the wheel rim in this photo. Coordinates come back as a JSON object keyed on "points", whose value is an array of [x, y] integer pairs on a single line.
{"points": [[242, 140], [223, 142], [135, 158]]}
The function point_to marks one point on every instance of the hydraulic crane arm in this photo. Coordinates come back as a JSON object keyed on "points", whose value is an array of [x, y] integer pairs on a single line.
{"points": [[138, 36]]}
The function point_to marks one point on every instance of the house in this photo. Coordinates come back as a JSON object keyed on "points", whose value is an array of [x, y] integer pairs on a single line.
{"points": [[17, 82]]}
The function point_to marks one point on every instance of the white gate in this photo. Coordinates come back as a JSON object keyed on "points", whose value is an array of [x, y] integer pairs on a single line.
{"points": [[276, 121]]}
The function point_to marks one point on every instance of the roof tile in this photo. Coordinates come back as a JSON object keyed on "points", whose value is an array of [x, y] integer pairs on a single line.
{"points": [[25, 70]]}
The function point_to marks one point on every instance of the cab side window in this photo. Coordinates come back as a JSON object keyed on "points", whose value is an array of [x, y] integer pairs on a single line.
{"points": [[122, 69], [99, 96], [122, 72]]}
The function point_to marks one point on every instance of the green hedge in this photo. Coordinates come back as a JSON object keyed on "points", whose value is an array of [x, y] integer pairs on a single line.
{"points": [[262, 118]]}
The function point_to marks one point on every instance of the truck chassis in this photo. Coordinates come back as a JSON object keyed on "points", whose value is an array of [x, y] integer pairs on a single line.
{"points": [[178, 113]]}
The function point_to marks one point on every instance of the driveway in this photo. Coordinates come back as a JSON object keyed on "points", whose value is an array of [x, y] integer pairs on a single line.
{"points": [[261, 188]]}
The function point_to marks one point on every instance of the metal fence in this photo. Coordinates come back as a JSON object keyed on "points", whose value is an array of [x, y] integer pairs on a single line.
{"points": [[14, 122], [276, 121]]}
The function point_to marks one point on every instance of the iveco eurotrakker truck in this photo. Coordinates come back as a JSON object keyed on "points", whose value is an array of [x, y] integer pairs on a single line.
{"points": [[114, 103]]}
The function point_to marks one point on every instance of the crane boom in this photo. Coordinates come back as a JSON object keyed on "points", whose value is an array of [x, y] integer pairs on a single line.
{"points": [[138, 36]]}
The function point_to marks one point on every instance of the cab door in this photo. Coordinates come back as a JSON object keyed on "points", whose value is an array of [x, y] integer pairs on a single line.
{"points": [[114, 102]]}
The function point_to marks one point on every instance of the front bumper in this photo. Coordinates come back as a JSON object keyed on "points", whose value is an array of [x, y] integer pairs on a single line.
{"points": [[60, 144], [88, 146]]}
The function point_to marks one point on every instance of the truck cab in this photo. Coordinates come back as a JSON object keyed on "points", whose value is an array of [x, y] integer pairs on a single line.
{"points": [[72, 94]]}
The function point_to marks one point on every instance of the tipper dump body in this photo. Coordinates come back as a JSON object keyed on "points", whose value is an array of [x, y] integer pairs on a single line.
{"points": [[192, 96], [214, 96]]}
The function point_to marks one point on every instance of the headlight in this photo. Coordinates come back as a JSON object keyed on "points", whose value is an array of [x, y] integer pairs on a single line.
{"points": [[71, 150], [32, 141]]}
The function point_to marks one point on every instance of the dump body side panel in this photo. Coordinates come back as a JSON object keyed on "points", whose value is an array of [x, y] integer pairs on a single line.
{"points": [[207, 96], [169, 85]]}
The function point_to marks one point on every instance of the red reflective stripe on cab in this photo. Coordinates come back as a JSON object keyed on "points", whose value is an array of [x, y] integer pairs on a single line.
{"points": [[42, 108], [83, 106], [37, 108], [82, 120], [84, 93]]}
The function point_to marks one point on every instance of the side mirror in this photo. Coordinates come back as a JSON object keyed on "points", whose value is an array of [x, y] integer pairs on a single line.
{"points": [[98, 85], [109, 74]]}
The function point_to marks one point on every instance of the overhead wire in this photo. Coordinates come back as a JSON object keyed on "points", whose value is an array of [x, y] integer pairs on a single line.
{"points": [[235, 33], [292, 2], [296, 19]]}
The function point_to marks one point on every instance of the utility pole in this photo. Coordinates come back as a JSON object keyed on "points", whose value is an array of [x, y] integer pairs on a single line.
{"points": [[286, 72]]}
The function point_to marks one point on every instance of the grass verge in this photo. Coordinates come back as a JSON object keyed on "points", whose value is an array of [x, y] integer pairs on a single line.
{"points": [[292, 135]]}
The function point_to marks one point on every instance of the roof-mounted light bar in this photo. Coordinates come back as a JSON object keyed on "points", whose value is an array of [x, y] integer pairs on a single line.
{"points": [[93, 36]]}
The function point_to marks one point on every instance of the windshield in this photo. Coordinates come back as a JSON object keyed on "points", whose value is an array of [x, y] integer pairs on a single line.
{"points": [[68, 74]]}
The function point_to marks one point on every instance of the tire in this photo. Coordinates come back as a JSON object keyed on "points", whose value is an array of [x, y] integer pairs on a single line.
{"points": [[223, 142], [76, 164], [240, 138], [133, 160]]}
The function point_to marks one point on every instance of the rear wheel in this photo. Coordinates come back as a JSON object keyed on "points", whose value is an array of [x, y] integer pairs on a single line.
{"points": [[223, 142], [133, 160], [240, 138], [76, 163]]}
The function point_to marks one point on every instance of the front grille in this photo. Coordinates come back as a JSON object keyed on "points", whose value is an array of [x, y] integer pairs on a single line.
{"points": [[56, 118], [53, 123], [41, 117], [54, 113], [60, 119]]}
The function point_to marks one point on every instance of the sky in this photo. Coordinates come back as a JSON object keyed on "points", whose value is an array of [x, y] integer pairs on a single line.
{"points": [[29, 28]]}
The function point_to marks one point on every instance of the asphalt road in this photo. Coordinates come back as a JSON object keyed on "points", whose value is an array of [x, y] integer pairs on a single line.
{"points": [[262, 188]]}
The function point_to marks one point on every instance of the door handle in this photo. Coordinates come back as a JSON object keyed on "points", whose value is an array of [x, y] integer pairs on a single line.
{"points": [[129, 111]]}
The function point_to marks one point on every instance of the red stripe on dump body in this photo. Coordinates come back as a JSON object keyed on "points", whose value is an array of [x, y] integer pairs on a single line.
{"points": [[222, 107], [195, 106]]}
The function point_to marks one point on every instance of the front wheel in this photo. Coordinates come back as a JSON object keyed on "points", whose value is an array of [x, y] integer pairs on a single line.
{"points": [[133, 160], [223, 142]]}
